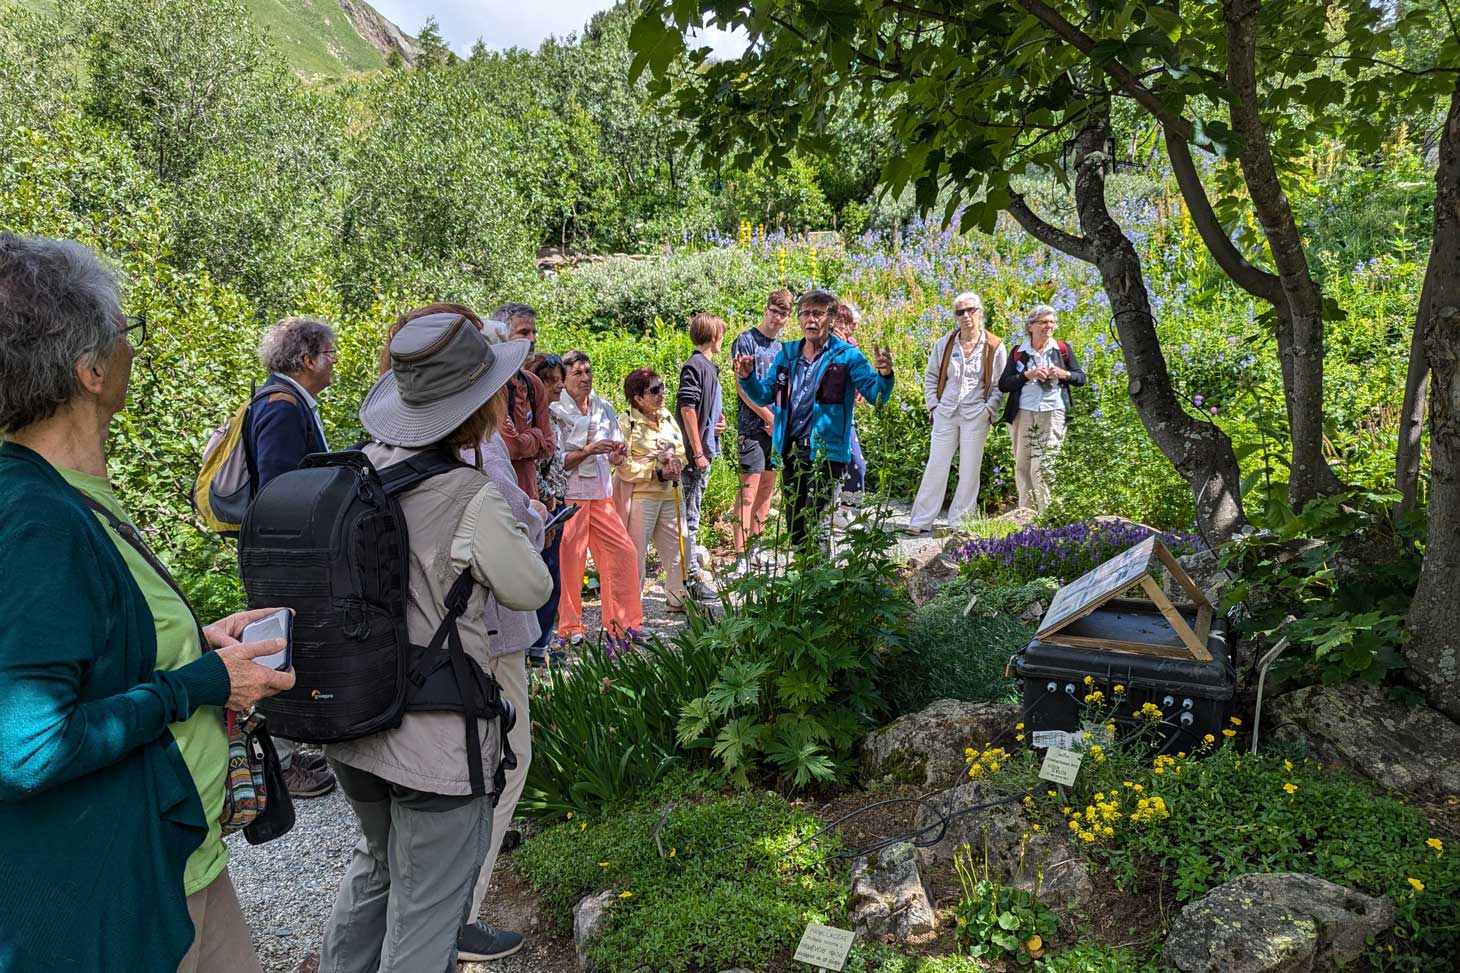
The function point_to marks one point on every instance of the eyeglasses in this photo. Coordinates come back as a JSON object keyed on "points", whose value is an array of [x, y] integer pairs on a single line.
{"points": [[654, 390], [960, 312], [779, 312], [136, 323], [813, 314], [332, 355]]}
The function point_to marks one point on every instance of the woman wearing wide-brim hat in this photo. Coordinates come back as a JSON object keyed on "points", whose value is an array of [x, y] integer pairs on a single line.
{"points": [[424, 836]]}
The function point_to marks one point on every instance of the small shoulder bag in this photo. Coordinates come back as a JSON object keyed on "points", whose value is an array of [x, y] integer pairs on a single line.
{"points": [[256, 799]]}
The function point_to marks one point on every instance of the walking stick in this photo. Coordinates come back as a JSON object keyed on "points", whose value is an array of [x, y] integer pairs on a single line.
{"points": [[679, 532]]}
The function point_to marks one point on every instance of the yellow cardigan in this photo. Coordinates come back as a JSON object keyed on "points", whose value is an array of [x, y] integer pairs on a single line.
{"points": [[644, 443]]}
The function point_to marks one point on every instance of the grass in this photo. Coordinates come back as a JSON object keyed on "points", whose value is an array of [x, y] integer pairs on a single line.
{"points": [[959, 653], [316, 37]]}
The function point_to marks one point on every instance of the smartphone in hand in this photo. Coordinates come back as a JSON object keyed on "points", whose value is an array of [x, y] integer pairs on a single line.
{"points": [[561, 516], [279, 625]]}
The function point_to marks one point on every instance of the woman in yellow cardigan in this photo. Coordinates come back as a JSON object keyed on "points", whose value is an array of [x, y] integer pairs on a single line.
{"points": [[655, 459]]}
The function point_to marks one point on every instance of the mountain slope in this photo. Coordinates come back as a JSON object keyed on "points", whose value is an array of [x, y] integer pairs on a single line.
{"points": [[319, 38]]}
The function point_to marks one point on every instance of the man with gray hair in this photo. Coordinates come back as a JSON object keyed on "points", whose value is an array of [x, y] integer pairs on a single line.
{"points": [[280, 430]]}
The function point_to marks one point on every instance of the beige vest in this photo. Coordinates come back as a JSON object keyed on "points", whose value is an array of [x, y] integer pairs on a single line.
{"points": [[428, 750]]}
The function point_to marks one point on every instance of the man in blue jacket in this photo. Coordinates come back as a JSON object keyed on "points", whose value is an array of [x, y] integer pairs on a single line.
{"points": [[813, 383], [281, 429]]}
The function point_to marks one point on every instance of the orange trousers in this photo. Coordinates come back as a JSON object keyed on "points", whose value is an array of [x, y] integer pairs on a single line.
{"points": [[597, 530]]}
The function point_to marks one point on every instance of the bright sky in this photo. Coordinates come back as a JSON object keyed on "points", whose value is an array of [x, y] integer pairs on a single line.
{"points": [[508, 23]]}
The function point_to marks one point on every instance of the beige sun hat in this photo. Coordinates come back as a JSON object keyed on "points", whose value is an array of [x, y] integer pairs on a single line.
{"points": [[442, 370]]}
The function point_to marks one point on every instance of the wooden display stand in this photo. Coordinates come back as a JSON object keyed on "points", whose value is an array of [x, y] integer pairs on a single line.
{"points": [[1069, 619]]}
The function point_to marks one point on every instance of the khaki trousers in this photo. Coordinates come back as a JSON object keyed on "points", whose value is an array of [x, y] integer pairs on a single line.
{"points": [[1038, 437], [221, 943], [656, 518], [510, 671]]}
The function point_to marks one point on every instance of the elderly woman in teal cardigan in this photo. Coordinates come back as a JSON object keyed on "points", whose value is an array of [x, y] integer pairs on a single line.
{"points": [[113, 754]]}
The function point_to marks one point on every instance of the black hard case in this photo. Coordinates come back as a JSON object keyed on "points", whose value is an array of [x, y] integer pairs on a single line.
{"points": [[1195, 698]]}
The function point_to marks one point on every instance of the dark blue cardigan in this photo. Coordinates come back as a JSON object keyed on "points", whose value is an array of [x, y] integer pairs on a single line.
{"points": [[98, 813], [281, 432]]}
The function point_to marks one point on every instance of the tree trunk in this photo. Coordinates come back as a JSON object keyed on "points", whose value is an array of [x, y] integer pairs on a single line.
{"points": [[1412, 413], [1199, 450], [1434, 647], [1275, 214]]}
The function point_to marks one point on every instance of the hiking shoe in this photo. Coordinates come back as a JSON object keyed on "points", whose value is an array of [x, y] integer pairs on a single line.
{"points": [[310, 760], [537, 657], [308, 782], [478, 941]]}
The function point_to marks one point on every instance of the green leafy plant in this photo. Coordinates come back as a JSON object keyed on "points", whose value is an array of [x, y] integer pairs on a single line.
{"points": [[605, 729], [994, 920], [1335, 581], [699, 881], [802, 651], [1098, 958]]}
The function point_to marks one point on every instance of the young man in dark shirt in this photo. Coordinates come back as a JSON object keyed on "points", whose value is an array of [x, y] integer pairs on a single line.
{"points": [[755, 425], [699, 406]]}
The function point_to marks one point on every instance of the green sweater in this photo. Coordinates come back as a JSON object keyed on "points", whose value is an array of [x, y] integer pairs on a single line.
{"points": [[98, 810]]}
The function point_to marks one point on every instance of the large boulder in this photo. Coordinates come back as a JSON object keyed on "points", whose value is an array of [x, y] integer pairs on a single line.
{"points": [[928, 569], [1358, 728], [926, 748], [589, 916], [1043, 863], [889, 900], [1279, 923], [1209, 576]]}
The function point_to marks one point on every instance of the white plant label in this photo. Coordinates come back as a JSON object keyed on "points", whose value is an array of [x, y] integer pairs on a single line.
{"points": [[1060, 766], [825, 947]]}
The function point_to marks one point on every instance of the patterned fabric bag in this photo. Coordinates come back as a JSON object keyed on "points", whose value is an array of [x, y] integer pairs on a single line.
{"points": [[247, 790]]}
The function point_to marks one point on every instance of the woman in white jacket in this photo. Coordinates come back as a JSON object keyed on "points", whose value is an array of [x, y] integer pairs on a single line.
{"points": [[961, 394]]}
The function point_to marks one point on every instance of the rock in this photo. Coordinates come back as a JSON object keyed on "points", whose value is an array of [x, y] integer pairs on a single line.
{"points": [[1020, 517], [1033, 613], [1046, 864], [889, 900], [926, 748], [589, 916], [928, 568], [1278, 923], [1203, 569], [1358, 728]]}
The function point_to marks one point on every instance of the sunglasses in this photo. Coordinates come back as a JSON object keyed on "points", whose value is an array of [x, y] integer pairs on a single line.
{"points": [[966, 310], [655, 390]]}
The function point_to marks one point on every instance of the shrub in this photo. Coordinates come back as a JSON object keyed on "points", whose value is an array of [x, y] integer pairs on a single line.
{"points": [[954, 653], [1340, 599], [798, 688], [730, 887], [1063, 553], [605, 730]]}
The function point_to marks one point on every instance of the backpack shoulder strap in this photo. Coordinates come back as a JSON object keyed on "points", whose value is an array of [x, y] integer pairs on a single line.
{"points": [[991, 344], [1064, 353], [401, 477], [943, 364]]}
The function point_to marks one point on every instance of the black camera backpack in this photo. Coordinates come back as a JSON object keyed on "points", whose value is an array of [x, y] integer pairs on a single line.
{"points": [[329, 541]]}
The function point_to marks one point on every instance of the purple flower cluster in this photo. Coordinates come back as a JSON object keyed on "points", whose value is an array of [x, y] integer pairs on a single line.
{"points": [[1064, 553]]}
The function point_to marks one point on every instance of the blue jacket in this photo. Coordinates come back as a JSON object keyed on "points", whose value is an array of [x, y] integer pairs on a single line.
{"points": [[98, 812], [831, 413], [281, 432]]}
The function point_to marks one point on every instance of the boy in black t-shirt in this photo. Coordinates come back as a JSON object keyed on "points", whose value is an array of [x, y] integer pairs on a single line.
{"points": [[754, 424], [699, 407]]}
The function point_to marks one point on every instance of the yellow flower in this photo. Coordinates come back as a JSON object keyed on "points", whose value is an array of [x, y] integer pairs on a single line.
{"points": [[582, 825], [1034, 944], [1051, 793], [1416, 884], [1108, 831], [969, 752], [1290, 787], [1229, 733], [673, 852], [993, 766], [1037, 829], [603, 864], [1095, 697], [570, 815], [1018, 726], [1436, 844], [1018, 738], [1117, 689], [1028, 801], [1208, 739], [1234, 721], [1087, 836], [1074, 826], [1288, 766], [1089, 680], [626, 894]]}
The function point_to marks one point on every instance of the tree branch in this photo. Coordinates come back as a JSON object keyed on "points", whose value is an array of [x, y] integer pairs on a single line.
{"points": [[1359, 59], [1254, 280], [1047, 233]]}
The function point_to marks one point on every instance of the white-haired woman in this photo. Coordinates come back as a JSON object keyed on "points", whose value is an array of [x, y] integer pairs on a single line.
{"points": [[961, 394], [113, 753], [1037, 379]]}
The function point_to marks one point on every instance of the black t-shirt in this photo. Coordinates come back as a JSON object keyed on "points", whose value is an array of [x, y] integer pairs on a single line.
{"points": [[764, 350]]}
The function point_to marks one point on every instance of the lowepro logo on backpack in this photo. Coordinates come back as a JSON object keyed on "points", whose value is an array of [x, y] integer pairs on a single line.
{"points": [[329, 541]]}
